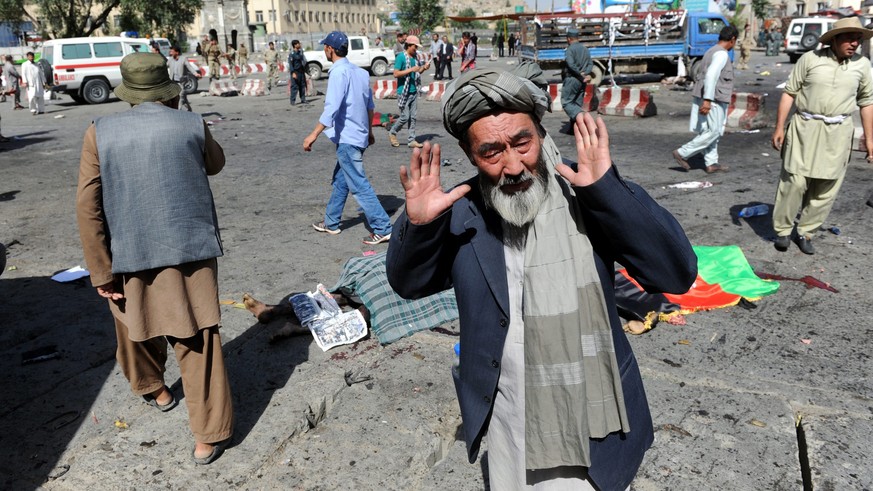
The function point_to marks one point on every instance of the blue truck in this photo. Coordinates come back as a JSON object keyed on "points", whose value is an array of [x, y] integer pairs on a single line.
{"points": [[624, 43]]}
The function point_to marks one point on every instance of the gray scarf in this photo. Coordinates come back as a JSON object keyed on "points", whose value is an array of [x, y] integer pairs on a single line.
{"points": [[572, 381]]}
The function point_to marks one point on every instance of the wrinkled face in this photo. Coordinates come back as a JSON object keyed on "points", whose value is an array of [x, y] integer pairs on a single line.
{"points": [[845, 45], [507, 149]]}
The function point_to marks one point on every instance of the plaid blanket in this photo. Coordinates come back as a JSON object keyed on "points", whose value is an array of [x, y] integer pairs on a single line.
{"points": [[391, 316]]}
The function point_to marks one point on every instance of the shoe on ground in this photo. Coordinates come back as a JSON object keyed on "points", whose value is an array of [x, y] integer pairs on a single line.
{"points": [[392, 138], [374, 239], [414, 144], [682, 162], [217, 450], [712, 169], [152, 401], [322, 228], [804, 243], [782, 242], [18, 107]]}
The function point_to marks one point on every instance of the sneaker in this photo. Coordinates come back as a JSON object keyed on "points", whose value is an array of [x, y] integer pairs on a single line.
{"points": [[374, 239], [392, 138], [782, 242], [682, 162], [321, 228], [414, 144], [804, 243]]}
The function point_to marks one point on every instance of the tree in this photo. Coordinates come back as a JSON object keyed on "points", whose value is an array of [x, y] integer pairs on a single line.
{"points": [[475, 24], [760, 8], [72, 18], [421, 14]]}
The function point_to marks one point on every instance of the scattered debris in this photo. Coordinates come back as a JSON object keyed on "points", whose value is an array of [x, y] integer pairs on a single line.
{"points": [[226, 302], [749, 132], [59, 471], [834, 230], [94, 418], [747, 304], [675, 429], [765, 73], [765, 154], [369, 253], [44, 353], [691, 185], [672, 363], [353, 378], [121, 424], [71, 274], [148, 444], [60, 116], [759, 424], [683, 342], [806, 341]]}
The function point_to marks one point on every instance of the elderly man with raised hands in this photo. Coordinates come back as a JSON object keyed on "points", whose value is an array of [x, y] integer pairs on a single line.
{"points": [[528, 246]]}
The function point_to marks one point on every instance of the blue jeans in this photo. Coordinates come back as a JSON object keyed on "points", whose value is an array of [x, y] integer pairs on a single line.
{"points": [[348, 175], [408, 114]]}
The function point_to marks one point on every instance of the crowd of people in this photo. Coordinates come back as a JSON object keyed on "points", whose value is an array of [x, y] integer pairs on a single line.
{"points": [[553, 412]]}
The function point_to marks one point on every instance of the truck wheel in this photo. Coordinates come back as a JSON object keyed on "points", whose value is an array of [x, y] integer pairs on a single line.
{"points": [[379, 67], [314, 71], [77, 98], [596, 76], [189, 84], [96, 92]]}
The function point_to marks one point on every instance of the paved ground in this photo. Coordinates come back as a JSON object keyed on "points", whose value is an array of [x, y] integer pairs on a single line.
{"points": [[725, 399]]}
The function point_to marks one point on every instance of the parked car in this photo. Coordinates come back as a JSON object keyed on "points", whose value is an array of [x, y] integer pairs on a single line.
{"points": [[377, 60], [87, 69], [803, 35]]}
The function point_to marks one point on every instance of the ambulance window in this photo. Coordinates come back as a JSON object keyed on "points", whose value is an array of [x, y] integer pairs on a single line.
{"points": [[107, 50], [48, 54], [76, 51], [138, 48]]}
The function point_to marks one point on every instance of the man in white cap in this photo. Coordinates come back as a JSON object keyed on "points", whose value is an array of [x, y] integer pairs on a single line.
{"points": [[407, 71], [826, 85], [150, 237]]}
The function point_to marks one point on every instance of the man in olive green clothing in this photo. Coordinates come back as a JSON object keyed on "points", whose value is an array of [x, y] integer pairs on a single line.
{"points": [[271, 58], [826, 85]]}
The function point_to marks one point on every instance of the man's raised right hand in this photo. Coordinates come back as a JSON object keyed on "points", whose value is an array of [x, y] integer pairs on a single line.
{"points": [[425, 198]]}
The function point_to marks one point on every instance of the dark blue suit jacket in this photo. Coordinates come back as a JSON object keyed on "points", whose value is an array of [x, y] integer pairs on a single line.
{"points": [[463, 249]]}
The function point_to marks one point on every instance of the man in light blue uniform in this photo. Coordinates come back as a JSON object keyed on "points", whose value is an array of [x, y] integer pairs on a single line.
{"points": [[347, 118], [712, 96]]}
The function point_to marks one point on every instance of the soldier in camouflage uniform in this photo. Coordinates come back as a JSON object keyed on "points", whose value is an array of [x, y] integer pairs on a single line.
{"points": [[242, 55], [213, 55], [271, 58], [231, 60]]}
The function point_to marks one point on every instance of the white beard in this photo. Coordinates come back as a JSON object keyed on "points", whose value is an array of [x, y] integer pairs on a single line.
{"points": [[521, 208]]}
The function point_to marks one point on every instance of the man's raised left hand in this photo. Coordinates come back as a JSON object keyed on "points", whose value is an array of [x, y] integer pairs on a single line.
{"points": [[592, 146]]}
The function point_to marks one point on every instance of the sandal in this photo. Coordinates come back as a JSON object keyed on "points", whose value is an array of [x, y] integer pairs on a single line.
{"points": [[217, 450], [151, 401]]}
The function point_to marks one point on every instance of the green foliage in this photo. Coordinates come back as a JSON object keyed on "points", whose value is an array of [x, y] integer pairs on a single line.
{"points": [[760, 8], [476, 24], [422, 14], [74, 18], [739, 19]]}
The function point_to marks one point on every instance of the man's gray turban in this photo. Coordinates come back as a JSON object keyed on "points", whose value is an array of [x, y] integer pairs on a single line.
{"points": [[483, 91]]}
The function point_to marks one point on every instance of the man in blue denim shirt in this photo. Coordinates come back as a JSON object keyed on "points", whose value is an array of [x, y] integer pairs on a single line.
{"points": [[347, 117]]}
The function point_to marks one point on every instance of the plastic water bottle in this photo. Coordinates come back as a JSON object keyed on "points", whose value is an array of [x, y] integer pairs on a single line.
{"points": [[456, 360], [753, 211]]}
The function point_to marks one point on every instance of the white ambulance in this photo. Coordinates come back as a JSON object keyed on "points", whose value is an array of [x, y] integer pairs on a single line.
{"points": [[87, 69]]}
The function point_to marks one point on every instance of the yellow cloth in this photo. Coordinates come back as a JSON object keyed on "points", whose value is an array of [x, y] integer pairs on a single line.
{"points": [[822, 85]]}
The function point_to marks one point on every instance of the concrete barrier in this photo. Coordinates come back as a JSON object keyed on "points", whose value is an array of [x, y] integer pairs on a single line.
{"points": [[253, 87], [436, 90], [589, 103], [385, 89], [310, 88], [219, 87], [618, 101], [746, 111]]}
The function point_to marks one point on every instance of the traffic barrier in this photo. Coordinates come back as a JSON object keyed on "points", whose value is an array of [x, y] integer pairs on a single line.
{"points": [[589, 103], [746, 111], [253, 87], [221, 87], [436, 90], [310, 88], [241, 70], [385, 89], [618, 101]]}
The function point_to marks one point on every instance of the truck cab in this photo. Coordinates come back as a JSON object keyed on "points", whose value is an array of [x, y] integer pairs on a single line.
{"points": [[702, 29], [361, 53]]}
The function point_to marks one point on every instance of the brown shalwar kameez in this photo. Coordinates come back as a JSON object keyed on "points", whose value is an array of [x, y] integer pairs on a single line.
{"points": [[177, 304]]}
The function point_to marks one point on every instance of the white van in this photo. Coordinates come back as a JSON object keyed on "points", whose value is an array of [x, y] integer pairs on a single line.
{"points": [[87, 69], [803, 34]]}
